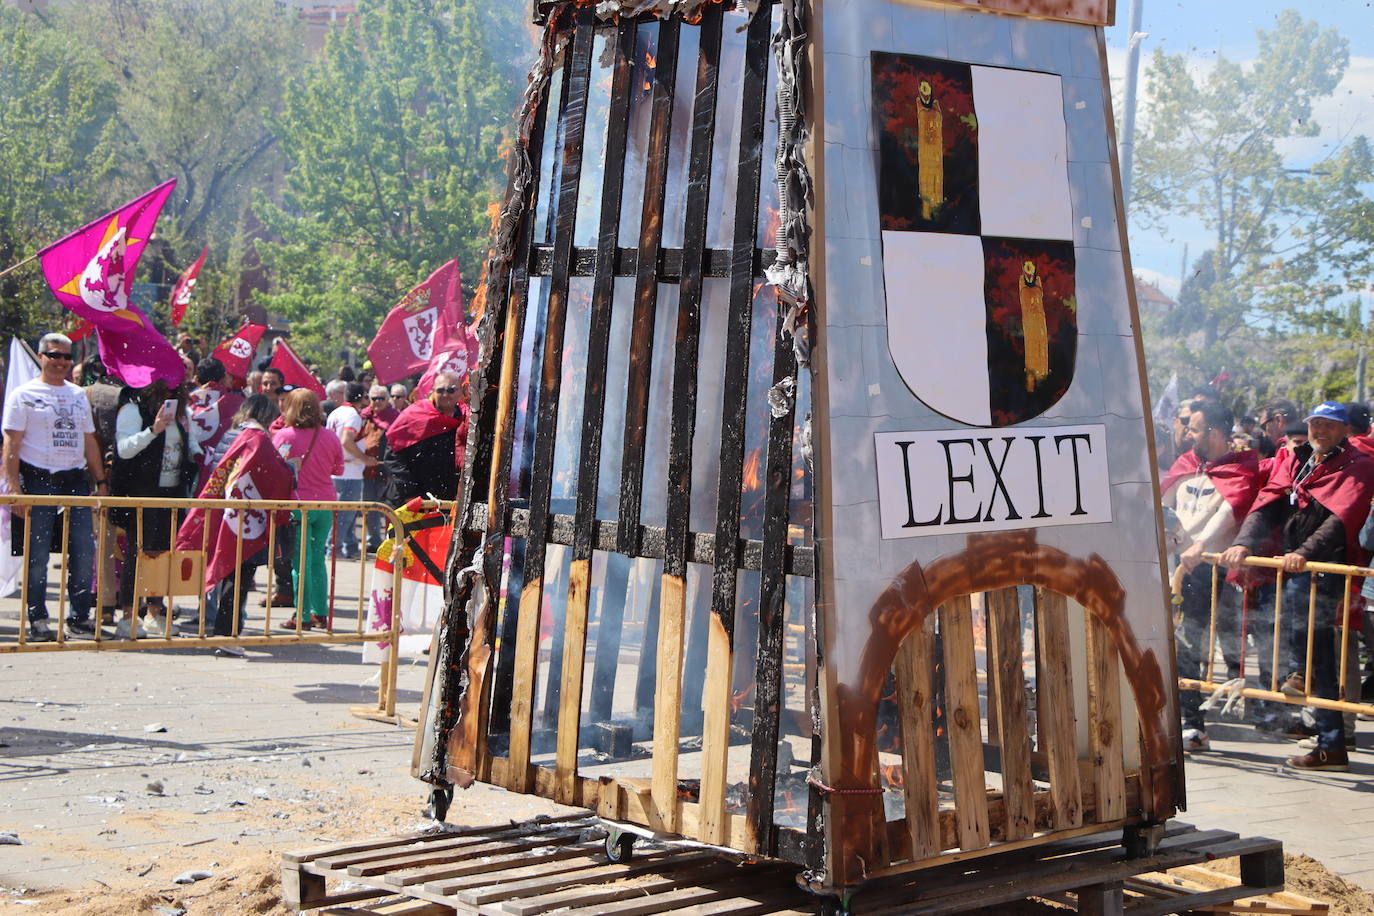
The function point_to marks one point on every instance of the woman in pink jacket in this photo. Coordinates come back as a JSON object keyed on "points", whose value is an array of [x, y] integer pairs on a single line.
{"points": [[317, 456]]}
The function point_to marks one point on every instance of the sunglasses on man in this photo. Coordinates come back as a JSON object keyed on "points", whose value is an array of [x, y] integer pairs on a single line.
{"points": [[379, 399], [56, 354]]}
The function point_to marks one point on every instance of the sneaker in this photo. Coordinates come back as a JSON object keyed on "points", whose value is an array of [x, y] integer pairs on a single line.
{"points": [[122, 630], [1294, 686], [41, 631], [1320, 760], [80, 626], [152, 625], [230, 652], [1310, 744], [1195, 739]]}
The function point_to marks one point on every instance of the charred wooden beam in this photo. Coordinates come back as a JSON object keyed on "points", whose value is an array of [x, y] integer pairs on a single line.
{"points": [[718, 262]]}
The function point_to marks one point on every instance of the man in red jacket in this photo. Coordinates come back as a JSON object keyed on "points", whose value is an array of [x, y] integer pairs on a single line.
{"points": [[1209, 488], [1312, 510]]}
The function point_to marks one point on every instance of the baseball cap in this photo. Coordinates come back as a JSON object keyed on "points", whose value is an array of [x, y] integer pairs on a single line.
{"points": [[1329, 410]]}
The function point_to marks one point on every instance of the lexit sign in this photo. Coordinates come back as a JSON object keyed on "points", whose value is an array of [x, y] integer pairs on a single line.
{"points": [[957, 482]]}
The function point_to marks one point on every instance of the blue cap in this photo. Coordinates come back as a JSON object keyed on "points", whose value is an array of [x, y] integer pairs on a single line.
{"points": [[1329, 410]]}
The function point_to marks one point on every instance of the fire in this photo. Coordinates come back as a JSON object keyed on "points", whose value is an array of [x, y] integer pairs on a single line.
{"points": [[751, 470], [737, 700], [650, 60], [892, 774]]}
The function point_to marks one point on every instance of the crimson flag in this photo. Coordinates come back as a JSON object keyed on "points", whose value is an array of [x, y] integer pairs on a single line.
{"points": [[186, 284], [427, 320], [91, 272], [293, 370], [237, 352]]}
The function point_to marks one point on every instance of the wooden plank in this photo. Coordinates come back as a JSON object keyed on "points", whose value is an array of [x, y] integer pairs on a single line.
{"points": [[772, 607], [1104, 722], [603, 898], [668, 699], [1007, 677], [572, 119], [915, 689], [438, 854], [963, 723], [448, 879], [1055, 691], [646, 285], [715, 734], [586, 869], [570, 696]]}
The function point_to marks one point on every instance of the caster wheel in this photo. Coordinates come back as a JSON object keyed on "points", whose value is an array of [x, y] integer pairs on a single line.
{"points": [[620, 846], [439, 800]]}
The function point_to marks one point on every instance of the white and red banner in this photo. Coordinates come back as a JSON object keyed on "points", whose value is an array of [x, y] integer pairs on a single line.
{"points": [[186, 284], [428, 321], [237, 352], [294, 370]]}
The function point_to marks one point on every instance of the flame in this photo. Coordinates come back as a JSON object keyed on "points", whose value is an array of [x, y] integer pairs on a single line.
{"points": [[751, 470], [892, 774], [650, 60], [737, 700]]}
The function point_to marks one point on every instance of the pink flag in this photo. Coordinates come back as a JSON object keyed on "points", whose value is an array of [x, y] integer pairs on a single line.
{"points": [[429, 319], [91, 271], [237, 352], [293, 370], [186, 284]]}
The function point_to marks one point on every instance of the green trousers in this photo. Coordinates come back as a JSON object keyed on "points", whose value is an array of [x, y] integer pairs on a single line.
{"points": [[315, 600]]}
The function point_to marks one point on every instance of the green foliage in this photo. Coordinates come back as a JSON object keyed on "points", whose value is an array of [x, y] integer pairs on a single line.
{"points": [[392, 142], [55, 148], [1290, 245]]}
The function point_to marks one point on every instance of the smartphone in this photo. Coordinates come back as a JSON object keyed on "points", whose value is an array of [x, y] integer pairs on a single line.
{"points": [[169, 406]]}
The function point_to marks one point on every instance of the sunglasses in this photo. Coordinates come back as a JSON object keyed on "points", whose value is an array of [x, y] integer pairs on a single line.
{"points": [[383, 398], [445, 390], [57, 354]]}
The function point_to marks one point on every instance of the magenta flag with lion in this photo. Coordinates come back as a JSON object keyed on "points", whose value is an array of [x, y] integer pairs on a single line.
{"points": [[91, 272]]}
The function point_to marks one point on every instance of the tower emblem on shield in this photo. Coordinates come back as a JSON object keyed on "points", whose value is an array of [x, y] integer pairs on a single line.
{"points": [[977, 229]]}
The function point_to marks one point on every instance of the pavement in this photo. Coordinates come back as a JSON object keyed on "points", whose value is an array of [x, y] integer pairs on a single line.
{"points": [[110, 762]]}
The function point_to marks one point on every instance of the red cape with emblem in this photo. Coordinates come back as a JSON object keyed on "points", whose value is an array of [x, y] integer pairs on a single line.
{"points": [[422, 420], [1343, 484], [251, 469], [212, 408], [1236, 475]]}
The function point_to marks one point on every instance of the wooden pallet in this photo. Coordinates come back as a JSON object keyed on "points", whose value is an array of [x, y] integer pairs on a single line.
{"points": [[560, 864]]}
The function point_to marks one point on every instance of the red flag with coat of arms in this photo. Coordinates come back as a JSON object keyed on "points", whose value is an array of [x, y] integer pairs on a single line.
{"points": [[428, 320], [91, 272], [293, 370], [237, 352], [185, 285]]}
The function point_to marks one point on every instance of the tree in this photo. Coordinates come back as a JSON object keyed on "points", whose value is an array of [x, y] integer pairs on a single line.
{"points": [[1289, 244], [196, 81], [55, 149], [392, 142]]}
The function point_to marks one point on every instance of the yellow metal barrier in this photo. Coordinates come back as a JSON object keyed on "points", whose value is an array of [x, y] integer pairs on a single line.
{"points": [[162, 571], [1345, 654]]}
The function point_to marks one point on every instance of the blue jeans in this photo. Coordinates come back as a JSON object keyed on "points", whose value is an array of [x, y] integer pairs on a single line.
{"points": [[1324, 678], [346, 532], [80, 541], [376, 522]]}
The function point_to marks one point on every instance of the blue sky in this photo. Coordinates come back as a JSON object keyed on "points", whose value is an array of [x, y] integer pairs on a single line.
{"points": [[1203, 29]]}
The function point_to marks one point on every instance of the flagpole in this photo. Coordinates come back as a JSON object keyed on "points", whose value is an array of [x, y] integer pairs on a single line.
{"points": [[14, 267]]}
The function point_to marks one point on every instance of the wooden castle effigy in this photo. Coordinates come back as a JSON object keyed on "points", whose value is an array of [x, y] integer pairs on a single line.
{"points": [[810, 506]]}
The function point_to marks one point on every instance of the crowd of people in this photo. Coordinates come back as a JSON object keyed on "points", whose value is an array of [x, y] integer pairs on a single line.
{"points": [[214, 437], [1287, 484]]}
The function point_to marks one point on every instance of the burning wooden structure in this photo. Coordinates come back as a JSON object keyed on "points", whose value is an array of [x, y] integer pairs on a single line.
{"points": [[810, 507]]}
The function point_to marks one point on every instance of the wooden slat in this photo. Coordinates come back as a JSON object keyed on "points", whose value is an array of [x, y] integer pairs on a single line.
{"points": [[437, 854], [1058, 736], [1008, 685], [602, 895], [646, 285], [570, 695], [1104, 722], [668, 699], [682, 429], [572, 118], [963, 723], [915, 689], [448, 879], [594, 397], [546, 885], [771, 606]]}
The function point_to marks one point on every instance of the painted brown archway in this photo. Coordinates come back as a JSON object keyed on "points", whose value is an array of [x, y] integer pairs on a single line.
{"points": [[988, 562]]}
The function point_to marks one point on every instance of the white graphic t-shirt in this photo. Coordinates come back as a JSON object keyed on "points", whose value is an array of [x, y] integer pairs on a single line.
{"points": [[341, 418], [54, 420]]}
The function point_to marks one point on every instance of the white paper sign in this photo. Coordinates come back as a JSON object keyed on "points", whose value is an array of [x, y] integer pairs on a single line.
{"points": [[964, 481]]}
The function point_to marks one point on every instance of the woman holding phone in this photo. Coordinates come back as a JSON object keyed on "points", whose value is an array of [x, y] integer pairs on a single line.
{"points": [[317, 456], [154, 456]]}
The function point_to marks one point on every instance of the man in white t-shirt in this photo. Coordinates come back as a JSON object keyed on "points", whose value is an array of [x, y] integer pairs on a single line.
{"points": [[346, 422], [51, 450]]}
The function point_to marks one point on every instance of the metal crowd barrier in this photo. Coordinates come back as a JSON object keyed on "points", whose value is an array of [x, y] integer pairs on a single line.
{"points": [[1235, 619], [161, 571]]}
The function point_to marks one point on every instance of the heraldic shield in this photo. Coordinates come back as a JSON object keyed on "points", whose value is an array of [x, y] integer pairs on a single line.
{"points": [[977, 230]]}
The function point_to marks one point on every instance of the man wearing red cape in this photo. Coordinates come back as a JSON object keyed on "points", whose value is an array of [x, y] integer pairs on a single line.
{"points": [[251, 469], [423, 448], [212, 406], [1209, 488], [1316, 508]]}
